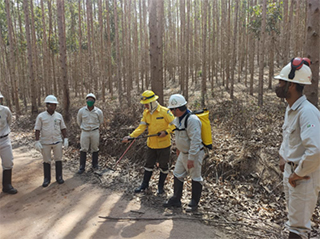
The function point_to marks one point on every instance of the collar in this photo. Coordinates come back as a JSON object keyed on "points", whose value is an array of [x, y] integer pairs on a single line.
{"points": [[298, 102], [181, 117], [86, 107]]}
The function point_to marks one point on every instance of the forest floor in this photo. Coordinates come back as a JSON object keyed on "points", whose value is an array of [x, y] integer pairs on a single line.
{"points": [[242, 196]]}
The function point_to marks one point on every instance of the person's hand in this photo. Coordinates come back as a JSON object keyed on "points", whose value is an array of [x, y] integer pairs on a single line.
{"points": [[162, 134], [281, 164], [38, 146], [190, 164], [126, 139], [294, 178], [65, 143]]}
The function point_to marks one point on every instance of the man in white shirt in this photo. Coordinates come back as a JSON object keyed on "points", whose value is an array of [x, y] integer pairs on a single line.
{"points": [[6, 148], [300, 148], [89, 119], [190, 153], [48, 129]]}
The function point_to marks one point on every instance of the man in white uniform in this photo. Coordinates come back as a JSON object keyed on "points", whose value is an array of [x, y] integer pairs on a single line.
{"points": [[190, 152], [300, 148], [6, 148], [48, 129], [89, 119]]}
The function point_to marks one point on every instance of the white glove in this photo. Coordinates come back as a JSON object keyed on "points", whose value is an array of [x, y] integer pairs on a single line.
{"points": [[65, 143], [38, 146]]}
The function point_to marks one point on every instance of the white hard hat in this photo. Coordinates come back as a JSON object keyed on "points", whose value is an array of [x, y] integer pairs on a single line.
{"points": [[51, 99], [301, 76], [91, 95], [176, 101], [1, 96]]}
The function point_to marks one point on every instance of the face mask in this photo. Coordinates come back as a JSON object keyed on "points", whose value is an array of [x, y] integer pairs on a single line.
{"points": [[90, 103], [282, 92]]}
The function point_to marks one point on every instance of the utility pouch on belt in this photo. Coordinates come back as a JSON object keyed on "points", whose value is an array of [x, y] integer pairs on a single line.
{"points": [[206, 136]]}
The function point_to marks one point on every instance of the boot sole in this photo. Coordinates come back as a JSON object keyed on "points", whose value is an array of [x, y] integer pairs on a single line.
{"points": [[10, 191]]}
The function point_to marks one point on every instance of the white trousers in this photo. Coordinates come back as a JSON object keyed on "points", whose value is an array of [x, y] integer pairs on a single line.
{"points": [[55, 148], [301, 201], [181, 168], [6, 153], [89, 140]]}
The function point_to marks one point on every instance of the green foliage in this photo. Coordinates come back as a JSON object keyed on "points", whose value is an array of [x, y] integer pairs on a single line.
{"points": [[274, 16]]}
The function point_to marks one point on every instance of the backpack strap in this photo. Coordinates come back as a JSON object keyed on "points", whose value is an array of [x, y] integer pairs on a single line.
{"points": [[185, 123], [186, 120]]}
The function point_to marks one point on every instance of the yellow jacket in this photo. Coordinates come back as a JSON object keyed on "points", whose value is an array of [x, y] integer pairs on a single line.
{"points": [[158, 121]]}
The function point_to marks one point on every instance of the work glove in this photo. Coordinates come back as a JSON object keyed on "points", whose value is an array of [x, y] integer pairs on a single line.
{"points": [[65, 143], [126, 139], [38, 146]]}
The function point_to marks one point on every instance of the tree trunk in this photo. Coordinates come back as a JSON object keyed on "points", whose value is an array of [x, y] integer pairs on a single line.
{"points": [[261, 51], [155, 50], [204, 53], [312, 49], [34, 107], [63, 60], [12, 66]]}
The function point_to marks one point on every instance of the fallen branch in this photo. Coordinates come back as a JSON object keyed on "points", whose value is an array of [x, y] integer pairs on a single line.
{"points": [[149, 218], [187, 218]]}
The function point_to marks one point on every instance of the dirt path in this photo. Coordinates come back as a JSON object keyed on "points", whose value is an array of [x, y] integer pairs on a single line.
{"points": [[72, 210]]}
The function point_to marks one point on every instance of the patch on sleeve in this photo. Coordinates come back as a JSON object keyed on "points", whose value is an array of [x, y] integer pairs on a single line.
{"points": [[169, 113], [311, 126]]}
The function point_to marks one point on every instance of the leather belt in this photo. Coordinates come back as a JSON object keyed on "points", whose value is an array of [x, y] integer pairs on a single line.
{"points": [[4, 136], [188, 152], [90, 130]]}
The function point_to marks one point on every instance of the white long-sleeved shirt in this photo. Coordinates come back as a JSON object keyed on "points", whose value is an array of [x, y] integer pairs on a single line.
{"points": [[5, 120], [89, 120], [301, 137], [189, 140]]}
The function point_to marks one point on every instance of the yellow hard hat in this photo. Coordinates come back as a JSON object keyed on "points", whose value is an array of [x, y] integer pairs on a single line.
{"points": [[148, 96]]}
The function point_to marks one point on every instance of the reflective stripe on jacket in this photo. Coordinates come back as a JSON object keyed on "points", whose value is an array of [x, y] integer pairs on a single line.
{"points": [[158, 121]]}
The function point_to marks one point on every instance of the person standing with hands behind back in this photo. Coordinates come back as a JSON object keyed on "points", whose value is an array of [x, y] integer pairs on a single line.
{"points": [[300, 148], [48, 129], [89, 119], [6, 148]]}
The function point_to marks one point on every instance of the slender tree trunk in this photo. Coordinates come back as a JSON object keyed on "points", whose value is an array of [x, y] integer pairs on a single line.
{"points": [[34, 107], [12, 66], [261, 50], [204, 52], [118, 60], [63, 59], [234, 50], [312, 49]]}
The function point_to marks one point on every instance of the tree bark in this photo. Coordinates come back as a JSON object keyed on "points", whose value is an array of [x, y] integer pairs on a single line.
{"points": [[34, 107], [63, 60], [312, 49]]}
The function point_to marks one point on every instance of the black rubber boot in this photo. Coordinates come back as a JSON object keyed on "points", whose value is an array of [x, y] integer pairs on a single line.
{"points": [[6, 182], [196, 194], [83, 157], [47, 174], [175, 201], [162, 179], [293, 235], [59, 172], [95, 160], [145, 182]]}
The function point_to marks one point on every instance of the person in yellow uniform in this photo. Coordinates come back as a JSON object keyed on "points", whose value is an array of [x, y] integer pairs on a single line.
{"points": [[158, 120]]}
